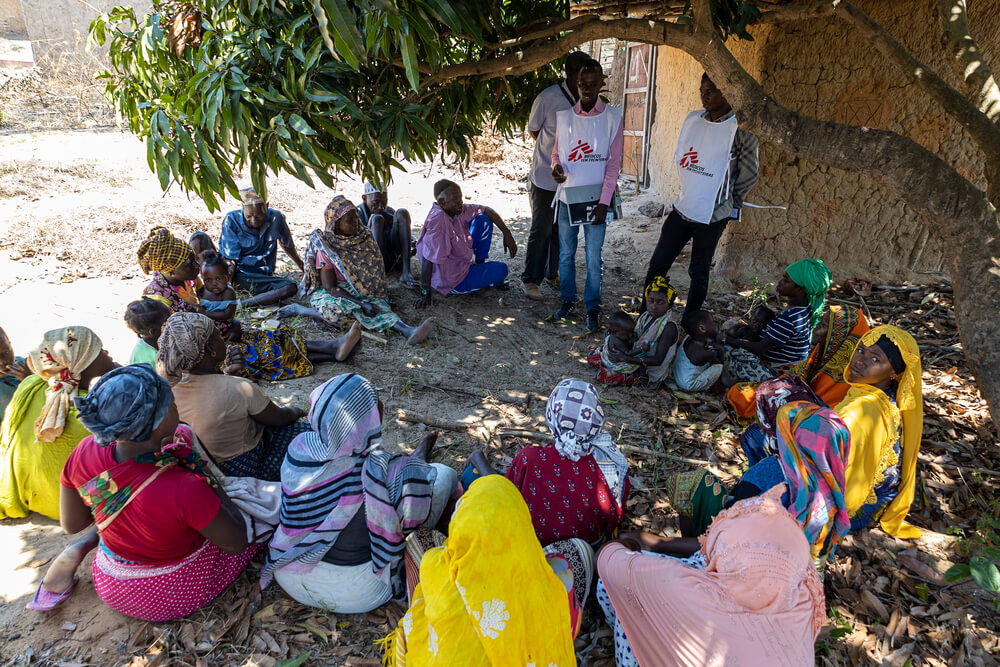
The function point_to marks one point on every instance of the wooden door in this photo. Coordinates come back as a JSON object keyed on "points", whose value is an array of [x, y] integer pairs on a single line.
{"points": [[639, 76]]}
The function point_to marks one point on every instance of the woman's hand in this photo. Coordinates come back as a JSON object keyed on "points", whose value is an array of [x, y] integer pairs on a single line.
{"points": [[18, 370], [235, 332], [234, 362], [616, 356]]}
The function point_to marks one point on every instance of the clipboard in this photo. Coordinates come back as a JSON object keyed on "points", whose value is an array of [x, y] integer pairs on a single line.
{"points": [[582, 199]]}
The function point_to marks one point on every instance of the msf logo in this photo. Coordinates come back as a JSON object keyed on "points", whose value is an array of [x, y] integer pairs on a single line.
{"points": [[581, 149], [689, 158]]}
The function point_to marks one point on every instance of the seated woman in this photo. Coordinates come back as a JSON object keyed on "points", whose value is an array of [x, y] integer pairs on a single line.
{"points": [[750, 591], [347, 505], [656, 335], [577, 486], [344, 277], [883, 410], [488, 596], [175, 267], [40, 426], [833, 341], [243, 431], [785, 340], [170, 538]]}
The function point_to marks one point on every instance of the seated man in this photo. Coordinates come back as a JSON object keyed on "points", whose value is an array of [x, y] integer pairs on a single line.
{"points": [[454, 244], [391, 229], [250, 240]]}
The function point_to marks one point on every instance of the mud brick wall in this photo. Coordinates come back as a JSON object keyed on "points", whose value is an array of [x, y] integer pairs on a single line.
{"points": [[823, 70]]}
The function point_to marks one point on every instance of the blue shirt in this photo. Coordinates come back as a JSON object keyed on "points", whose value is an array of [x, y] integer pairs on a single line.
{"points": [[254, 251], [791, 333]]}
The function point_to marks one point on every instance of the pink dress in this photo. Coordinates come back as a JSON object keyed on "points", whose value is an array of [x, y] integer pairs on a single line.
{"points": [[758, 600]]}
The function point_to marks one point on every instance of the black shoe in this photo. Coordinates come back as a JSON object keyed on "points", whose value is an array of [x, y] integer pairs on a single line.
{"points": [[566, 310], [593, 321]]}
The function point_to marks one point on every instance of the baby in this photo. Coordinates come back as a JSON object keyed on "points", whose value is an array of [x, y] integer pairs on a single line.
{"points": [[621, 331], [760, 316], [698, 364], [216, 288]]}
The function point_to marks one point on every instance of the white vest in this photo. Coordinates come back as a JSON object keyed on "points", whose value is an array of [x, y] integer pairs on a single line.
{"points": [[584, 144], [702, 159]]}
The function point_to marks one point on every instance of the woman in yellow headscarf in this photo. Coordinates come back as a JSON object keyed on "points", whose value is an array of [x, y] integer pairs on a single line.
{"points": [[884, 411], [40, 427], [480, 605]]}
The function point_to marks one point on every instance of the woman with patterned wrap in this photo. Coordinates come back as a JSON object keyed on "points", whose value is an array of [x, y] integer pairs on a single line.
{"points": [[344, 277]]}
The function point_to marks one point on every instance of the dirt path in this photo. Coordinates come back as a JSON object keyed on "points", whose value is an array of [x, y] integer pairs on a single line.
{"points": [[73, 208]]}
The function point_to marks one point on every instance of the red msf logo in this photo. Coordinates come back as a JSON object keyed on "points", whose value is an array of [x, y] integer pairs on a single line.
{"points": [[582, 148], [689, 158]]}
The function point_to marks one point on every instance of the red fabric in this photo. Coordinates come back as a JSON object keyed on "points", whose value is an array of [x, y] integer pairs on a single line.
{"points": [[566, 499], [168, 593], [161, 525], [604, 376]]}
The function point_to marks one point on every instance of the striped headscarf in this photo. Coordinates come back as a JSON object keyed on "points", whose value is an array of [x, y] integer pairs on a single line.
{"points": [[344, 453], [182, 344], [813, 446], [812, 276], [163, 252], [60, 360]]}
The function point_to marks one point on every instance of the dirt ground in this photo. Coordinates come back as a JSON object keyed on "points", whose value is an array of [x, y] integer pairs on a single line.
{"points": [[76, 200]]}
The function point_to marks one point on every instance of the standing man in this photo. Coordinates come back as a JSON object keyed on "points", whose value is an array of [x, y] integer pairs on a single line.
{"points": [[717, 163], [585, 163], [542, 255]]}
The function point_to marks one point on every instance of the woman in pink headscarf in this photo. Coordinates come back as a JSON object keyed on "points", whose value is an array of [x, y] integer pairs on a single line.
{"points": [[750, 596]]}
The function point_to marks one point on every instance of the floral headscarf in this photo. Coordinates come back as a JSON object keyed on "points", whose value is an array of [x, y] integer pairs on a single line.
{"points": [[60, 360], [575, 415]]}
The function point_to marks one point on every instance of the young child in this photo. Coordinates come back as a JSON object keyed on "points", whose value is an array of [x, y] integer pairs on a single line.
{"points": [[786, 339], [621, 332], [618, 343], [760, 317], [698, 364], [216, 289], [201, 242], [145, 318]]}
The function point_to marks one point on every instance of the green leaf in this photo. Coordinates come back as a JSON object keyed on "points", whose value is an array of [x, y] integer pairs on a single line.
{"points": [[297, 661], [346, 36], [299, 124], [957, 572], [409, 48], [985, 573]]}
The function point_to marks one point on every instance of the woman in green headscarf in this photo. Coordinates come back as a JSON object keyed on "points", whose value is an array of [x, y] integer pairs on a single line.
{"points": [[787, 338]]}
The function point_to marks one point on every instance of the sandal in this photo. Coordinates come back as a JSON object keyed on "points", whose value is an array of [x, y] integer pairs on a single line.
{"points": [[46, 600]]}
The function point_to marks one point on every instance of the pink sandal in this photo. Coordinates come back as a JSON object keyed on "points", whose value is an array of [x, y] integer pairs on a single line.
{"points": [[46, 600]]}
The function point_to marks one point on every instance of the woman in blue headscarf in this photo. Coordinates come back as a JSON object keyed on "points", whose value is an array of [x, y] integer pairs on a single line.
{"points": [[169, 539]]}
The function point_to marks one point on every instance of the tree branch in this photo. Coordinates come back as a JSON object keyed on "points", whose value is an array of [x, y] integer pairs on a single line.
{"points": [[790, 13], [967, 59], [550, 31]]}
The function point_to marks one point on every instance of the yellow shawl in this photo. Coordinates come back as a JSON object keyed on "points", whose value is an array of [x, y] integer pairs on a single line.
{"points": [[874, 424], [488, 596]]}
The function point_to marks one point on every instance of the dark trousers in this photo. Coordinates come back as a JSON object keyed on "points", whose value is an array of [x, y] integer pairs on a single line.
{"points": [[541, 259], [674, 235]]}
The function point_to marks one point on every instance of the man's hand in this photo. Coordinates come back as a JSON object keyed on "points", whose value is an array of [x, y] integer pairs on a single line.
{"points": [[599, 214], [510, 245], [234, 362], [369, 309], [558, 175]]}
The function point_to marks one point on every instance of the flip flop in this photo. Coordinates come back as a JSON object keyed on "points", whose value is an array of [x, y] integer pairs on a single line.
{"points": [[46, 600]]}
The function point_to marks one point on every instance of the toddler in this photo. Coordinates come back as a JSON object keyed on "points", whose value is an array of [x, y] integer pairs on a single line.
{"points": [[698, 364]]}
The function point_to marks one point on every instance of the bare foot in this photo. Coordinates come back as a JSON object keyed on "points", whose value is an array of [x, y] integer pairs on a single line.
{"points": [[348, 342], [423, 450], [407, 280], [59, 576], [297, 310], [421, 333]]}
